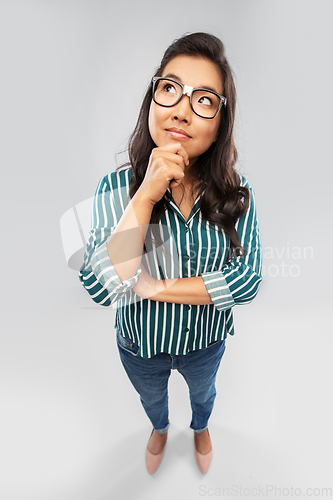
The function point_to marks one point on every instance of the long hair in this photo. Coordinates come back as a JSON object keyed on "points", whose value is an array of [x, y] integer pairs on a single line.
{"points": [[223, 200]]}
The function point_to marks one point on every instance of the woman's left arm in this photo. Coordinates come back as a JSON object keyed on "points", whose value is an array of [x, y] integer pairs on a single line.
{"points": [[236, 283]]}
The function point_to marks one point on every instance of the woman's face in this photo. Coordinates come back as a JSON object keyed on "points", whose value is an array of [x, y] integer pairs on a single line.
{"points": [[201, 132]]}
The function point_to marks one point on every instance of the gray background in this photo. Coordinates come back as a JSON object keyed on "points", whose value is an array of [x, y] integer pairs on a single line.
{"points": [[73, 75]]}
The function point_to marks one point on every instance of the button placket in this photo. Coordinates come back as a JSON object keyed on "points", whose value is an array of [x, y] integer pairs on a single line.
{"points": [[187, 227]]}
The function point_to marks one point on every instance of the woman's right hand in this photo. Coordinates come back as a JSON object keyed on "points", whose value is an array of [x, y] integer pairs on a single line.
{"points": [[166, 168]]}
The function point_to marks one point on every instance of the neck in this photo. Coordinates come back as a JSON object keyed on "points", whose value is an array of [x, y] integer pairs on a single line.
{"points": [[190, 178]]}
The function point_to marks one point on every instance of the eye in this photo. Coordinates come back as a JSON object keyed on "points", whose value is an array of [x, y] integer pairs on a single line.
{"points": [[205, 101], [169, 88]]}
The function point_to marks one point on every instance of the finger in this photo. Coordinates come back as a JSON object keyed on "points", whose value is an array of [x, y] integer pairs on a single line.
{"points": [[174, 183], [175, 175], [177, 148], [182, 152], [167, 156]]}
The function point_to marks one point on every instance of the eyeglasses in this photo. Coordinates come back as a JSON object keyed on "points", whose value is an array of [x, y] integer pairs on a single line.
{"points": [[204, 103]]}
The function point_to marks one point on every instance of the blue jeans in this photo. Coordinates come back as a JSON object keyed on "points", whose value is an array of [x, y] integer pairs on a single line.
{"points": [[150, 376]]}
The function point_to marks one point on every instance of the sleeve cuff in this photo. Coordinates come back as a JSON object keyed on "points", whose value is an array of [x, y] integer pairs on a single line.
{"points": [[218, 290], [106, 273]]}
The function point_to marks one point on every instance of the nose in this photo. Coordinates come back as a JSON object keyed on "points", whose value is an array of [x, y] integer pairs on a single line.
{"points": [[182, 110]]}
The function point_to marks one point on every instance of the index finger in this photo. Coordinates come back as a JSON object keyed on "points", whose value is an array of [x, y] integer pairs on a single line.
{"points": [[178, 148]]}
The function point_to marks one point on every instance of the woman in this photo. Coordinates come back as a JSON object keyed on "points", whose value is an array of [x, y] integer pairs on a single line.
{"points": [[174, 238]]}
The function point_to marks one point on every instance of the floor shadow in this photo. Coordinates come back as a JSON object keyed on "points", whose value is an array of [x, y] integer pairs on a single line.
{"points": [[239, 462]]}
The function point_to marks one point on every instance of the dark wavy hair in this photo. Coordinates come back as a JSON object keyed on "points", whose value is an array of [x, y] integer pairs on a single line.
{"points": [[223, 200]]}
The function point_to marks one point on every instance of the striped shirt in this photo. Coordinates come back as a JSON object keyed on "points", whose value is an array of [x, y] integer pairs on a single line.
{"points": [[190, 248]]}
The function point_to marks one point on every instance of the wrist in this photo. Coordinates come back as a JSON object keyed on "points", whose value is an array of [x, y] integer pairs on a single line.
{"points": [[142, 198]]}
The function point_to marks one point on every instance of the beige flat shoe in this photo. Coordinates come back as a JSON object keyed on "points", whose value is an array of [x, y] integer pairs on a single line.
{"points": [[152, 460], [203, 460]]}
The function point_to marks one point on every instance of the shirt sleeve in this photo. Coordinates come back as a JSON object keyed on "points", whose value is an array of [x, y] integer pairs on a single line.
{"points": [[239, 279], [97, 273]]}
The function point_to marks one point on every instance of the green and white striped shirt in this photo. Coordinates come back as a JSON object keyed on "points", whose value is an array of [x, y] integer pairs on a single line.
{"points": [[190, 248]]}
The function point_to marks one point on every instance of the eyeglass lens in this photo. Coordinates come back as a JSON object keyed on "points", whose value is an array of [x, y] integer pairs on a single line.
{"points": [[204, 102]]}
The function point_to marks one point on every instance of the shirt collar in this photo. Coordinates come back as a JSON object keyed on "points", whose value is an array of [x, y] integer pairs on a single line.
{"points": [[195, 208]]}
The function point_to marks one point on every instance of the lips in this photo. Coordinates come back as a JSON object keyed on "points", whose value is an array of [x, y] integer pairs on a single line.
{"points": [[178, 133]]}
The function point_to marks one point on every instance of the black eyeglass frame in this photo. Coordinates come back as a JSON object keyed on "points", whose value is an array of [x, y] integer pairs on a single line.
{"points": [[187, 90]]}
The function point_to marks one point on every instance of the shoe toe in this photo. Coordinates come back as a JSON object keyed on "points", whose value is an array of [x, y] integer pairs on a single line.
{"points": [[203, 461], [153, 461]]}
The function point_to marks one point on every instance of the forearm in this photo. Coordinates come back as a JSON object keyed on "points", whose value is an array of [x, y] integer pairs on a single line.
{"points": [[190, 291], [125, 245]]}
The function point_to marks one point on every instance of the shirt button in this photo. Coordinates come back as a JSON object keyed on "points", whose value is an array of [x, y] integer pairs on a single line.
{"points": [[187, 330], [188, 307], [186, 257]]}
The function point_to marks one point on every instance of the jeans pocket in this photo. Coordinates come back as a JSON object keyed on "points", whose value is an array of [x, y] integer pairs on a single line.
{"points": [[127, 344]]}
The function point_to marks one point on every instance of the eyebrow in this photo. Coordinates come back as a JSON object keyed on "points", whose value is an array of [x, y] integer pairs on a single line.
{"points": [[175, 77]]}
